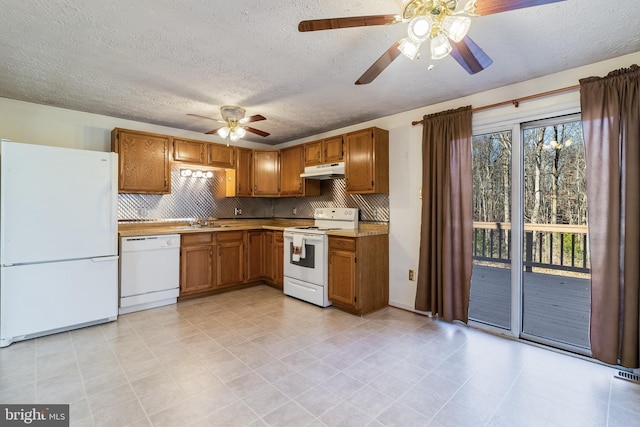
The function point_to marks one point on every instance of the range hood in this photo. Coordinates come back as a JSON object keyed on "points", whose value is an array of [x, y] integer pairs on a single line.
{"points": [[328, 171]]}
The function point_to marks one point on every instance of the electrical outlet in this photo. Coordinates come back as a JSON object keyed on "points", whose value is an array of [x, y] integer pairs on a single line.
{"points": [[412, 275], [238, 211], [294, 211]]}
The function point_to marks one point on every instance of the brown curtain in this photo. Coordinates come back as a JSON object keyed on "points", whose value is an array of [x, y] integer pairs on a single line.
{"points": [[611, 125], [444, 270]]}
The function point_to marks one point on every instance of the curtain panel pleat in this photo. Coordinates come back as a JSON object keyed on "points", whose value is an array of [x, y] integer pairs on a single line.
{"points": [[445, 258], [611, 126]]}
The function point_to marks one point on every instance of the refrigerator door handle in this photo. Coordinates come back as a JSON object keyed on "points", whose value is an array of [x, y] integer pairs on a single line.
{"points": [[105, 258]]}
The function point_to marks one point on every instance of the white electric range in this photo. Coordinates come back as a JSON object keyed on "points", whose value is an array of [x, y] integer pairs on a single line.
{"points": [[306, 254]]}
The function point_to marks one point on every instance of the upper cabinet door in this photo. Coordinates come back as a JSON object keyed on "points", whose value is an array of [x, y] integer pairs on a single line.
{"points": [[266, 173], [222, 156], [333, 149], [313, 153], [367, 161], [291, 166], [188, 151], [244, 172], [143, 161]]}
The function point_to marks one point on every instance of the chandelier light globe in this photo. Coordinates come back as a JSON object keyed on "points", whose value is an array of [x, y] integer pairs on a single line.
{"points": [[440, 46], [419, 28], [409, 48], [241, 132], [223, 132], [456, 27]]}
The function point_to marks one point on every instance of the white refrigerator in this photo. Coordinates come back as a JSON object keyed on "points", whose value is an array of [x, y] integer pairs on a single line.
{"points": [[58, 239]]}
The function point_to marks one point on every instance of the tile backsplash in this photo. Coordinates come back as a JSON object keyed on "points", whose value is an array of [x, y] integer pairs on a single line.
{"points": [[204, 198]]}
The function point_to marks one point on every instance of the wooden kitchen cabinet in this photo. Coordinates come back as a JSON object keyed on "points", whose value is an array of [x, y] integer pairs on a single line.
{"points": [[221, 156], [244, 172], [273, 258], [203, 153], [359, 273], [268, 249], [197, 263], [189, 151], [231, 258], [266, 173], [367, 161], [255, 255], [278, 259], [212, 262], [291, 166], [328, 150], [143, 161]]}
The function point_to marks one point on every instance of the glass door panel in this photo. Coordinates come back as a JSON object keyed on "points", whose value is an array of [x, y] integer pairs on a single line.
{"points": [[555, 279], [490, 296]]}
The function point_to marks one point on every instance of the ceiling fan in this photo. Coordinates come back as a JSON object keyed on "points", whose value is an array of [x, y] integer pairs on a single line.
{"points": [[443, 22], [235, 123]]}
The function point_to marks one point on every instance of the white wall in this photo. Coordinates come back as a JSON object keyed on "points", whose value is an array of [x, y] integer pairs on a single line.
{"points": [[45, 125], [26, 122]]}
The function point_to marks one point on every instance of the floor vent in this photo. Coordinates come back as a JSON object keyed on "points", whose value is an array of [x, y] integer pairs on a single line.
{"points": [[628, 376]]}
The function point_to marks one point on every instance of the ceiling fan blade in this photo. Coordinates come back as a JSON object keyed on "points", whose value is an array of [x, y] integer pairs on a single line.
{"points": [[488, 7], [354, 21], [383, 62], [255, 118], [470, 56], [211, 132], [256, 131], [205, 117]]}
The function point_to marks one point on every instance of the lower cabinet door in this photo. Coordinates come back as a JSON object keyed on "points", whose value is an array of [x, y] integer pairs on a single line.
{"points": [[196, 269], [342, 277], [230, 263]]}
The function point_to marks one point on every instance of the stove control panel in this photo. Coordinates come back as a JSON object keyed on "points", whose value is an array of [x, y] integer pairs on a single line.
{"points": [[338, 214]]}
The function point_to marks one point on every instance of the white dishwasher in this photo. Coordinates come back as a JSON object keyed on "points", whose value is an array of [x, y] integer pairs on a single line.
{"points": [[149, 271]]}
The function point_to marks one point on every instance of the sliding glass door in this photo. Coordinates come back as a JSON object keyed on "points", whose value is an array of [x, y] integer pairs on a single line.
{"points": [[530, 259], [555, 279], [490, 299]]}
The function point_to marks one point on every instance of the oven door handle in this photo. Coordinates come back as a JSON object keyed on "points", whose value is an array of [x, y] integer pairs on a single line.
{"points": [[307, 237]]}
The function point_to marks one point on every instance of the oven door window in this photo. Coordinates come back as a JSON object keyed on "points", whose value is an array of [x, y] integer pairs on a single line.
{"points": [[309, 257]]}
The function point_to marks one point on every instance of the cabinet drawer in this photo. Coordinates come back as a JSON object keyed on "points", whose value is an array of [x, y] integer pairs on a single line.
{"points": [[196, 239], [230, 236], [342, 243], [279, 237]]}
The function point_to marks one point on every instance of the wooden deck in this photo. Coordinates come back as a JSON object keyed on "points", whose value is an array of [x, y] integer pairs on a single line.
{"points": [[554, 307]]}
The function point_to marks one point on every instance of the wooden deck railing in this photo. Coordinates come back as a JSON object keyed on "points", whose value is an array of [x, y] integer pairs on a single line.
{"points": [[549, 246]]}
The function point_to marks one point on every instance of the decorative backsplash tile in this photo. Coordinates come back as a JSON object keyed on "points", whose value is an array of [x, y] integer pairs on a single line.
{"points": [[204, 198]]}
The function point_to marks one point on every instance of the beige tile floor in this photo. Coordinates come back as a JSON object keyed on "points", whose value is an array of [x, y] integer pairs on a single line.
{"points": [[257, 358]]}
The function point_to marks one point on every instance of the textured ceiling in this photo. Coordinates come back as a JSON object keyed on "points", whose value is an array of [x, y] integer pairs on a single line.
{"points": [[155, 61]]}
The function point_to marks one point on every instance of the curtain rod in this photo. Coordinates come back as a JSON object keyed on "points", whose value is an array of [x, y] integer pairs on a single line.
{"points": [[515, 102]]}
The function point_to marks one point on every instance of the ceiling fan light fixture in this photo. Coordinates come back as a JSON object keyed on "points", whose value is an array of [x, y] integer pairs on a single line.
{"points": [[232, 113], [440, 46], [241, 132], [409, 48], [223, 132], [456, 27], [236, 134], [419, 28]]}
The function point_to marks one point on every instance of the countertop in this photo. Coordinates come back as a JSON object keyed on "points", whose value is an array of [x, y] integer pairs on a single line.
{"points": [[150, 228]]}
